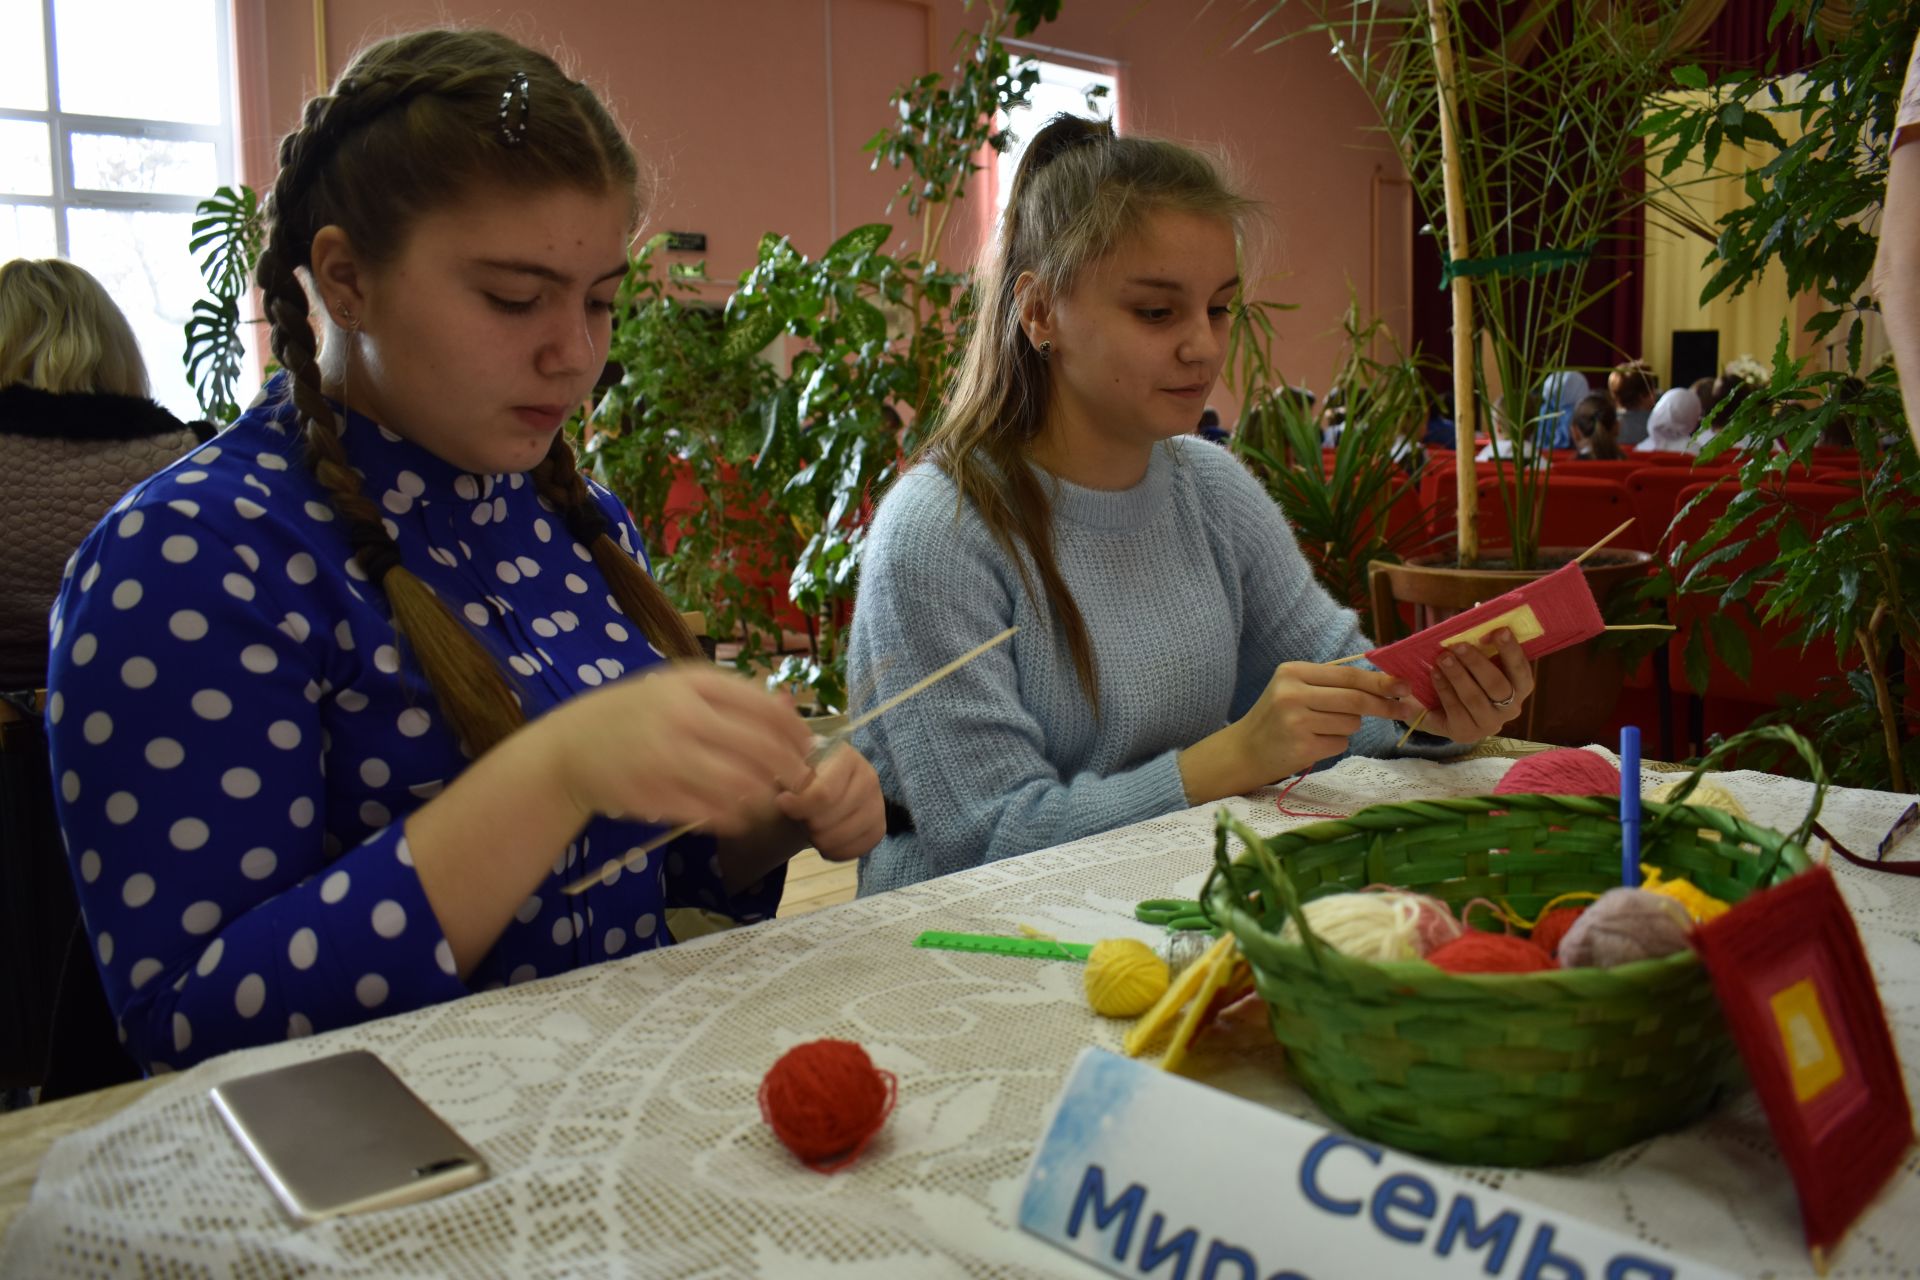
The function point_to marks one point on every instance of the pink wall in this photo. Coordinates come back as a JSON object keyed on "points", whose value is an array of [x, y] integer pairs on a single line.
{"points": [[734, 104]]}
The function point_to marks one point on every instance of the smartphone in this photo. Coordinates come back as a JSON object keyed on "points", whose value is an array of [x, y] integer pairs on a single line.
{"points": [[343, 1134]]}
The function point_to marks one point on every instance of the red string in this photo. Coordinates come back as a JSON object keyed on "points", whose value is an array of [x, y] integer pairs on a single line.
{"points": [[1297, 813]]}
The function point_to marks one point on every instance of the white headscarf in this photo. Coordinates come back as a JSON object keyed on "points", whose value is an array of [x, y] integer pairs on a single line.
{"points": [[1671, 426]]}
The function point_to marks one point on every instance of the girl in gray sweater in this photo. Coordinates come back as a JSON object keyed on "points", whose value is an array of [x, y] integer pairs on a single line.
{"points": [[1173, 645]]}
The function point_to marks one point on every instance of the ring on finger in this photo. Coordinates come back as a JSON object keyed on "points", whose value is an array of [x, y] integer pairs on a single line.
{"points": [[1503, 703]]}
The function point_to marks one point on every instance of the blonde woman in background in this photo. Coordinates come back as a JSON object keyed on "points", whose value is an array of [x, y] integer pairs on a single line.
{"points": [[77, 430]]}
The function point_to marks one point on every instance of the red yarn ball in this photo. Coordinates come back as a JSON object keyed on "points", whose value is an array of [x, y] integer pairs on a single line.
{"points": [[1477, 952], [1565, 772], [825, 1100], [1552, 927]]}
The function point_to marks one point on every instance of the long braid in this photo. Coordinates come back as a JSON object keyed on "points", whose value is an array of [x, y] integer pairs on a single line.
{"points": [[640, 597], [473, 693]]}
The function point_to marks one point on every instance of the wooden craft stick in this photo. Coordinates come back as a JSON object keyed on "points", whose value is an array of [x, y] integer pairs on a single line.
{"points": [[1603, 542], [1411, 729], [1352, 657], [1642, 626], [631, 857], [928, 681]]}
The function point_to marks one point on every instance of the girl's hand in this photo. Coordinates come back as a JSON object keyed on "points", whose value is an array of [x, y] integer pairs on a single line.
{"points": [[1307, 712], [1477, 696], [681, 743], [842, 808]]}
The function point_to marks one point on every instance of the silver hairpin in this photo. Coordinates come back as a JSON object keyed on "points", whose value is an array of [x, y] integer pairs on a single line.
{"points": [[516, 104]]}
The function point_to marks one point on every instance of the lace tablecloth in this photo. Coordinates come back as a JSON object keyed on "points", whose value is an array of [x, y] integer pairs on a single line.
{"points": [[617, 1105]]}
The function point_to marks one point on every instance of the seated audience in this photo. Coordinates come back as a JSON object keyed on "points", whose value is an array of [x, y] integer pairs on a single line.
{"points": [[1634, 389]]}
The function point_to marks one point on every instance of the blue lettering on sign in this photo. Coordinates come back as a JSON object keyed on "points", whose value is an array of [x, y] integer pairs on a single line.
{"points": [[1093, 1195], [1541, 1256], [1219, 1253], [1153, 1252], [1388, 1197], [1310, 1167], [1221, 1261], [1463, 1221], [1628, 1267]]}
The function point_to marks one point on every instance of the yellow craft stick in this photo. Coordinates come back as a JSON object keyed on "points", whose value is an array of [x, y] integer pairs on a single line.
{"points": [[1603, 542], [1226, 971], [1154, 1020], [632, 856], [1642, 626]]}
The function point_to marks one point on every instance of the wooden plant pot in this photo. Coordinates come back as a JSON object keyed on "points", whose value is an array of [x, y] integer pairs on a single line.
{"points": [[1577, 689]]}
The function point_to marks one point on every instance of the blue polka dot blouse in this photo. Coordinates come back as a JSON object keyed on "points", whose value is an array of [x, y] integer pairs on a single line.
{"points": [[238, 735]]}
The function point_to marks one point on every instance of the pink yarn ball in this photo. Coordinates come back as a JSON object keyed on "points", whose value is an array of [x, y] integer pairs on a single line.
{"points": [[1625, 925], [1564, 772], [1433, 922]]}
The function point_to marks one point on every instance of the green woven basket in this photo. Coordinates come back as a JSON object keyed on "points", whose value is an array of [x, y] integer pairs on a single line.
{"points": [[1501, 1069]]}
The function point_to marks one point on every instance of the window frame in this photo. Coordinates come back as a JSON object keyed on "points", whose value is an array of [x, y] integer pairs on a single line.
{"points": [[62, 125]]}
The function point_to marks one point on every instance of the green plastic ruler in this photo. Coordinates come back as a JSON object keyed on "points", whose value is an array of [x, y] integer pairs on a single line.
{"points": [[993, 945]]}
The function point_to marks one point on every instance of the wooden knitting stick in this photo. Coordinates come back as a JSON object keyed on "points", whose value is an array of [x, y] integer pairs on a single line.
{"points": [[819, 752]]}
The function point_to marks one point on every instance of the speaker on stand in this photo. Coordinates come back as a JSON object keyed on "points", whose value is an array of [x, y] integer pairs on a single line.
{"points": [[1695, 355]]}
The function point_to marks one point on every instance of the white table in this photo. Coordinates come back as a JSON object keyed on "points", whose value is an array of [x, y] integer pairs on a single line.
{"points": [[617, 1105]]}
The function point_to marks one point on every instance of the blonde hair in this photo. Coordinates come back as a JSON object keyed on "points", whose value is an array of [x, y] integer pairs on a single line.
{"points": [[1080, 190], [61, 332], [417, 123]]}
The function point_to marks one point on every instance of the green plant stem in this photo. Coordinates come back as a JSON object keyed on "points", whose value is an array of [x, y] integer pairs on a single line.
{"points": [[1883, 696]]}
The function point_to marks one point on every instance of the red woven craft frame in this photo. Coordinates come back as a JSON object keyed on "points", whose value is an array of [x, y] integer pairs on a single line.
{"points": [[1561, 601], [1828, 1079]]}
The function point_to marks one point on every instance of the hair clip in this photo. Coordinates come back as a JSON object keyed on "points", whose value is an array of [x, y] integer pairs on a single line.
{"points": [[516, 104]]}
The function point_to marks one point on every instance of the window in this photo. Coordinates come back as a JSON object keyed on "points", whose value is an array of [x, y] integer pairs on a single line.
{"points": [[116, 118], [1060, 88]]}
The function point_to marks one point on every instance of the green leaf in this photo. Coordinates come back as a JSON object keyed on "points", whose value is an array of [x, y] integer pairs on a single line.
{"points": [[1730, 644], [864, 321], [750, 333], [1695, 662], [860, 241], [1690, 77]]}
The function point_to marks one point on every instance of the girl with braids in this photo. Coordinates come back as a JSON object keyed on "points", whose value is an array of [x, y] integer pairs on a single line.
{"points": [[344, 699], [1174, 647]]}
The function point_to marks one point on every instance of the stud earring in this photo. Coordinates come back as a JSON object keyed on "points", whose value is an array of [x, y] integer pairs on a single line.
{"points": [[1046, 349]]}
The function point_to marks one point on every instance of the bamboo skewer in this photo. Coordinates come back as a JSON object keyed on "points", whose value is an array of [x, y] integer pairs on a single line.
{"points": [[1603, 542], [627, 860]]}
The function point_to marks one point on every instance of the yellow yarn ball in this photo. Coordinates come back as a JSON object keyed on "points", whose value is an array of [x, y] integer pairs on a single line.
{"points": [[1366, 926], [1125, 977], [1706, 796], [1700, 905]]}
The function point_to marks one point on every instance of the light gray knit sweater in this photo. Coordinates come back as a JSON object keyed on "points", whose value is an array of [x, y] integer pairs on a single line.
{"points": [[1193, 590]]}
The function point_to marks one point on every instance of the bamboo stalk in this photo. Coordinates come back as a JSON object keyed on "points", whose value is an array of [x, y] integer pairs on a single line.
{"points": [[1465, 476]]}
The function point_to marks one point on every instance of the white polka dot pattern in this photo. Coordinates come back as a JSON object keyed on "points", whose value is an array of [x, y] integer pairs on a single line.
{"points": [[238, 736]]}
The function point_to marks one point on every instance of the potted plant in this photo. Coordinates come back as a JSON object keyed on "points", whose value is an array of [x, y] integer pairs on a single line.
{"points": [[1513, 138], [1851, 579]]}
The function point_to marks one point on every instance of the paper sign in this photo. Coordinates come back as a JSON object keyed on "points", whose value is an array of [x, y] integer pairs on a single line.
{"points": [[1148, 1174]]}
